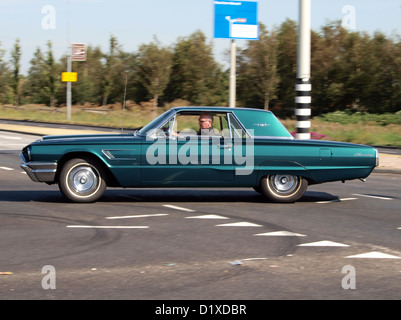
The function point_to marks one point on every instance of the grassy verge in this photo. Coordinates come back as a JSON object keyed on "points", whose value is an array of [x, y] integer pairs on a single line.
{"points": [[368, 129]]}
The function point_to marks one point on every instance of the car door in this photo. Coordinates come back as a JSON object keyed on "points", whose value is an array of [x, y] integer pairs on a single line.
{"points": [[178, 156]]}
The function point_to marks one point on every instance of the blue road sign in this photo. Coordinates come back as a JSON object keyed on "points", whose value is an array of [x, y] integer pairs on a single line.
{"points": [[236, 20]]}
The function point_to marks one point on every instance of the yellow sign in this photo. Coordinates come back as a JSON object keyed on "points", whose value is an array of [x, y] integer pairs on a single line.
{"points": [[69, 76]]}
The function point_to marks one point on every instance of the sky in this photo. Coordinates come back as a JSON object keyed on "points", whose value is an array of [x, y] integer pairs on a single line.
{"points": [[136, 22]]}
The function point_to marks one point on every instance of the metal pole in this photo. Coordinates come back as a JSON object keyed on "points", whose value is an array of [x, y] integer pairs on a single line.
{"points": [[233, 62], [69, 63], [303, 85]]}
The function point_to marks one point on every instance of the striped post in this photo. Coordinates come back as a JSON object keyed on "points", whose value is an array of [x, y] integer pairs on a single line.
{"points": [[303, 100], [303, 85]]}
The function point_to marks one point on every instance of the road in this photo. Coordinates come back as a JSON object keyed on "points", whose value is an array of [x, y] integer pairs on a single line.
{"points": [[340, 241]]}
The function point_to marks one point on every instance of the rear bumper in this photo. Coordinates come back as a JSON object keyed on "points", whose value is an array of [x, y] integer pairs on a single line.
{"points": [[39, 171]]}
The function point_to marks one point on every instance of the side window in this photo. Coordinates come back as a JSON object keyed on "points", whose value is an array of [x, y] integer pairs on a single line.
{"points": [[236, 129], [192, 123]]}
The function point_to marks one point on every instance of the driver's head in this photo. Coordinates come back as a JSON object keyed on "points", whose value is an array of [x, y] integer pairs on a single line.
{"points": [[205, 121]]}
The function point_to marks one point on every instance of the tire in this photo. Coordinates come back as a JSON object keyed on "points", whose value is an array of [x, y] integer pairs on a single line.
{"points": [[82, 180], [283, 187]]}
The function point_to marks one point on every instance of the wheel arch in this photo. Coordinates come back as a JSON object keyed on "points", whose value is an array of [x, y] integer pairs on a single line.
{"points": [[111, 181], [284, 167]]}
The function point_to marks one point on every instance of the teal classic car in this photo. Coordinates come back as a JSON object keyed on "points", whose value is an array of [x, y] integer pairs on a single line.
{"points": [[196, 147]]}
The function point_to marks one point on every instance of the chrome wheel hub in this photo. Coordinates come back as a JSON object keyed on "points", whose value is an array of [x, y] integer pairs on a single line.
{"points": [[284, 183], [83, 180]]}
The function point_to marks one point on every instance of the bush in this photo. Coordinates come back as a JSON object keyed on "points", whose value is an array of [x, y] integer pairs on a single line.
{"points": [[346, 117]]}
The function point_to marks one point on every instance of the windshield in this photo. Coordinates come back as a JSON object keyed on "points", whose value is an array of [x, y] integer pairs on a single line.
{"points": [[156, 122]]}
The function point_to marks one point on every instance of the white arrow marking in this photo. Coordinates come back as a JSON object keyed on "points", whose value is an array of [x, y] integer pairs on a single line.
{"points": [[324, 243], [281, 233], [239, 224], [374, 255], [208, 216]]}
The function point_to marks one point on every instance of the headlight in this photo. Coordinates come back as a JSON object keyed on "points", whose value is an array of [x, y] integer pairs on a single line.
{"points": [[26, 153]]}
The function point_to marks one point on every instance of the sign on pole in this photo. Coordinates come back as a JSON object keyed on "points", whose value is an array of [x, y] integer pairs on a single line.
{"points": [[236, 20], [69, 77], [78, 52]]}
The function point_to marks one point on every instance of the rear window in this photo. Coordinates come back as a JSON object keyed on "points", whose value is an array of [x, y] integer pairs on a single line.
{"points": [[262, 123]]}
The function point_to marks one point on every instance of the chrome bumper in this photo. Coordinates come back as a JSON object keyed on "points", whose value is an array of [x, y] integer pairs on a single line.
{"points": [[39, 171]]}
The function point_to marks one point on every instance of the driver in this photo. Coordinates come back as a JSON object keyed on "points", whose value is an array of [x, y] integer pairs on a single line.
{"points": [[206, 125]]}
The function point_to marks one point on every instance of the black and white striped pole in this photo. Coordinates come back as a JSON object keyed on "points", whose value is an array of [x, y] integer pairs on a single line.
{"points": [[303, 85]]}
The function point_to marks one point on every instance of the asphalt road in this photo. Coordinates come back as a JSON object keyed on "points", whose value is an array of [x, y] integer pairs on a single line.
{"points": [[340, 241]]}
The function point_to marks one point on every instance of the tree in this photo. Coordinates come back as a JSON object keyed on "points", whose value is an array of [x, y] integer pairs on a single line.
{"points": [[15, 61], [258, 75], [110, 68], [5, 90], [195, 76], [52, 76], [154, 68], [287, 65]]}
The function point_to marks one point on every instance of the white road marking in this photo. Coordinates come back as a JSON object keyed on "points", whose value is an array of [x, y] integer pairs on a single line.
{"points": [[374, 197], [109, 227], [281, 233], [337, 200], [10, 137], [239, 224], [207, 216], [374, 255], [324, 243], [177, 208], [7, 168], [139, 216]]}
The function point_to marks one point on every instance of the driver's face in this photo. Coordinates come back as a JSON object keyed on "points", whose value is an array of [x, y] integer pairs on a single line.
{"points": [[205, 122]]}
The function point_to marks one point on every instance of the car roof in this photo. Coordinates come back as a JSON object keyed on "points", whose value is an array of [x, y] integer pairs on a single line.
{"points": [[215, 109]]}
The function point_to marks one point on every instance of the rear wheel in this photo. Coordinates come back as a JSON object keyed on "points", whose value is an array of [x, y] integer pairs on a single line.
{"points": [[82, 180], [283, 187]]}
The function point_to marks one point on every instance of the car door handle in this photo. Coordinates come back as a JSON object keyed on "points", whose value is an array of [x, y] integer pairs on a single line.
{"points": [[225, 146]]}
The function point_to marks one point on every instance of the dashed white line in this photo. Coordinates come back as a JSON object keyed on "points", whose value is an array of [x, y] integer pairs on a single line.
{"points": [[7, 168], [336, 200], [239, 224], [10, 137], [177, 208], [109, 227], [207, 216], [372, 196], [280, 234], [139, 216]]}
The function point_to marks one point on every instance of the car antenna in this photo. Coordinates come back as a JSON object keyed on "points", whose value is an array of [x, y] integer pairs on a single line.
{"points": [[125, 93]]}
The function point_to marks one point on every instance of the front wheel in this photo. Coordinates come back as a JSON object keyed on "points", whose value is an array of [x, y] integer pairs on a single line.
{"points": [[283, 187], [82, 180]]}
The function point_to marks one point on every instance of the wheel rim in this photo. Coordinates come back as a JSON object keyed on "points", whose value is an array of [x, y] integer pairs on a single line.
{"points": [[83, 180], [284, 184]]}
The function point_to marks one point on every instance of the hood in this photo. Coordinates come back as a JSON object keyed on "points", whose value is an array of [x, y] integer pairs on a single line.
{"points": [[86, 138]]}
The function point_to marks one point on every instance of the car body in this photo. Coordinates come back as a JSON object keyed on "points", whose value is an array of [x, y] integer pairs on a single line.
{"points": [[248, 148]]}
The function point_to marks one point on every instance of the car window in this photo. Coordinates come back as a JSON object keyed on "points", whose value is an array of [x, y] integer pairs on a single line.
{"points": [[262, 123], [236, 129], [187, 123]]}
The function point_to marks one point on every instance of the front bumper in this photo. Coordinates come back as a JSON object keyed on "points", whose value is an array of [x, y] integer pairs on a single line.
{"points": [[39, 171]]}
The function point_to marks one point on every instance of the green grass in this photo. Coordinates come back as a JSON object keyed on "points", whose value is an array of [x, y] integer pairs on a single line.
{"points": [[362, 128]]}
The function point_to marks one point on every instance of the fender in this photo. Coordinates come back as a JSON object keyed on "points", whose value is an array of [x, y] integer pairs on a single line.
{"points": [[284, 166]]}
